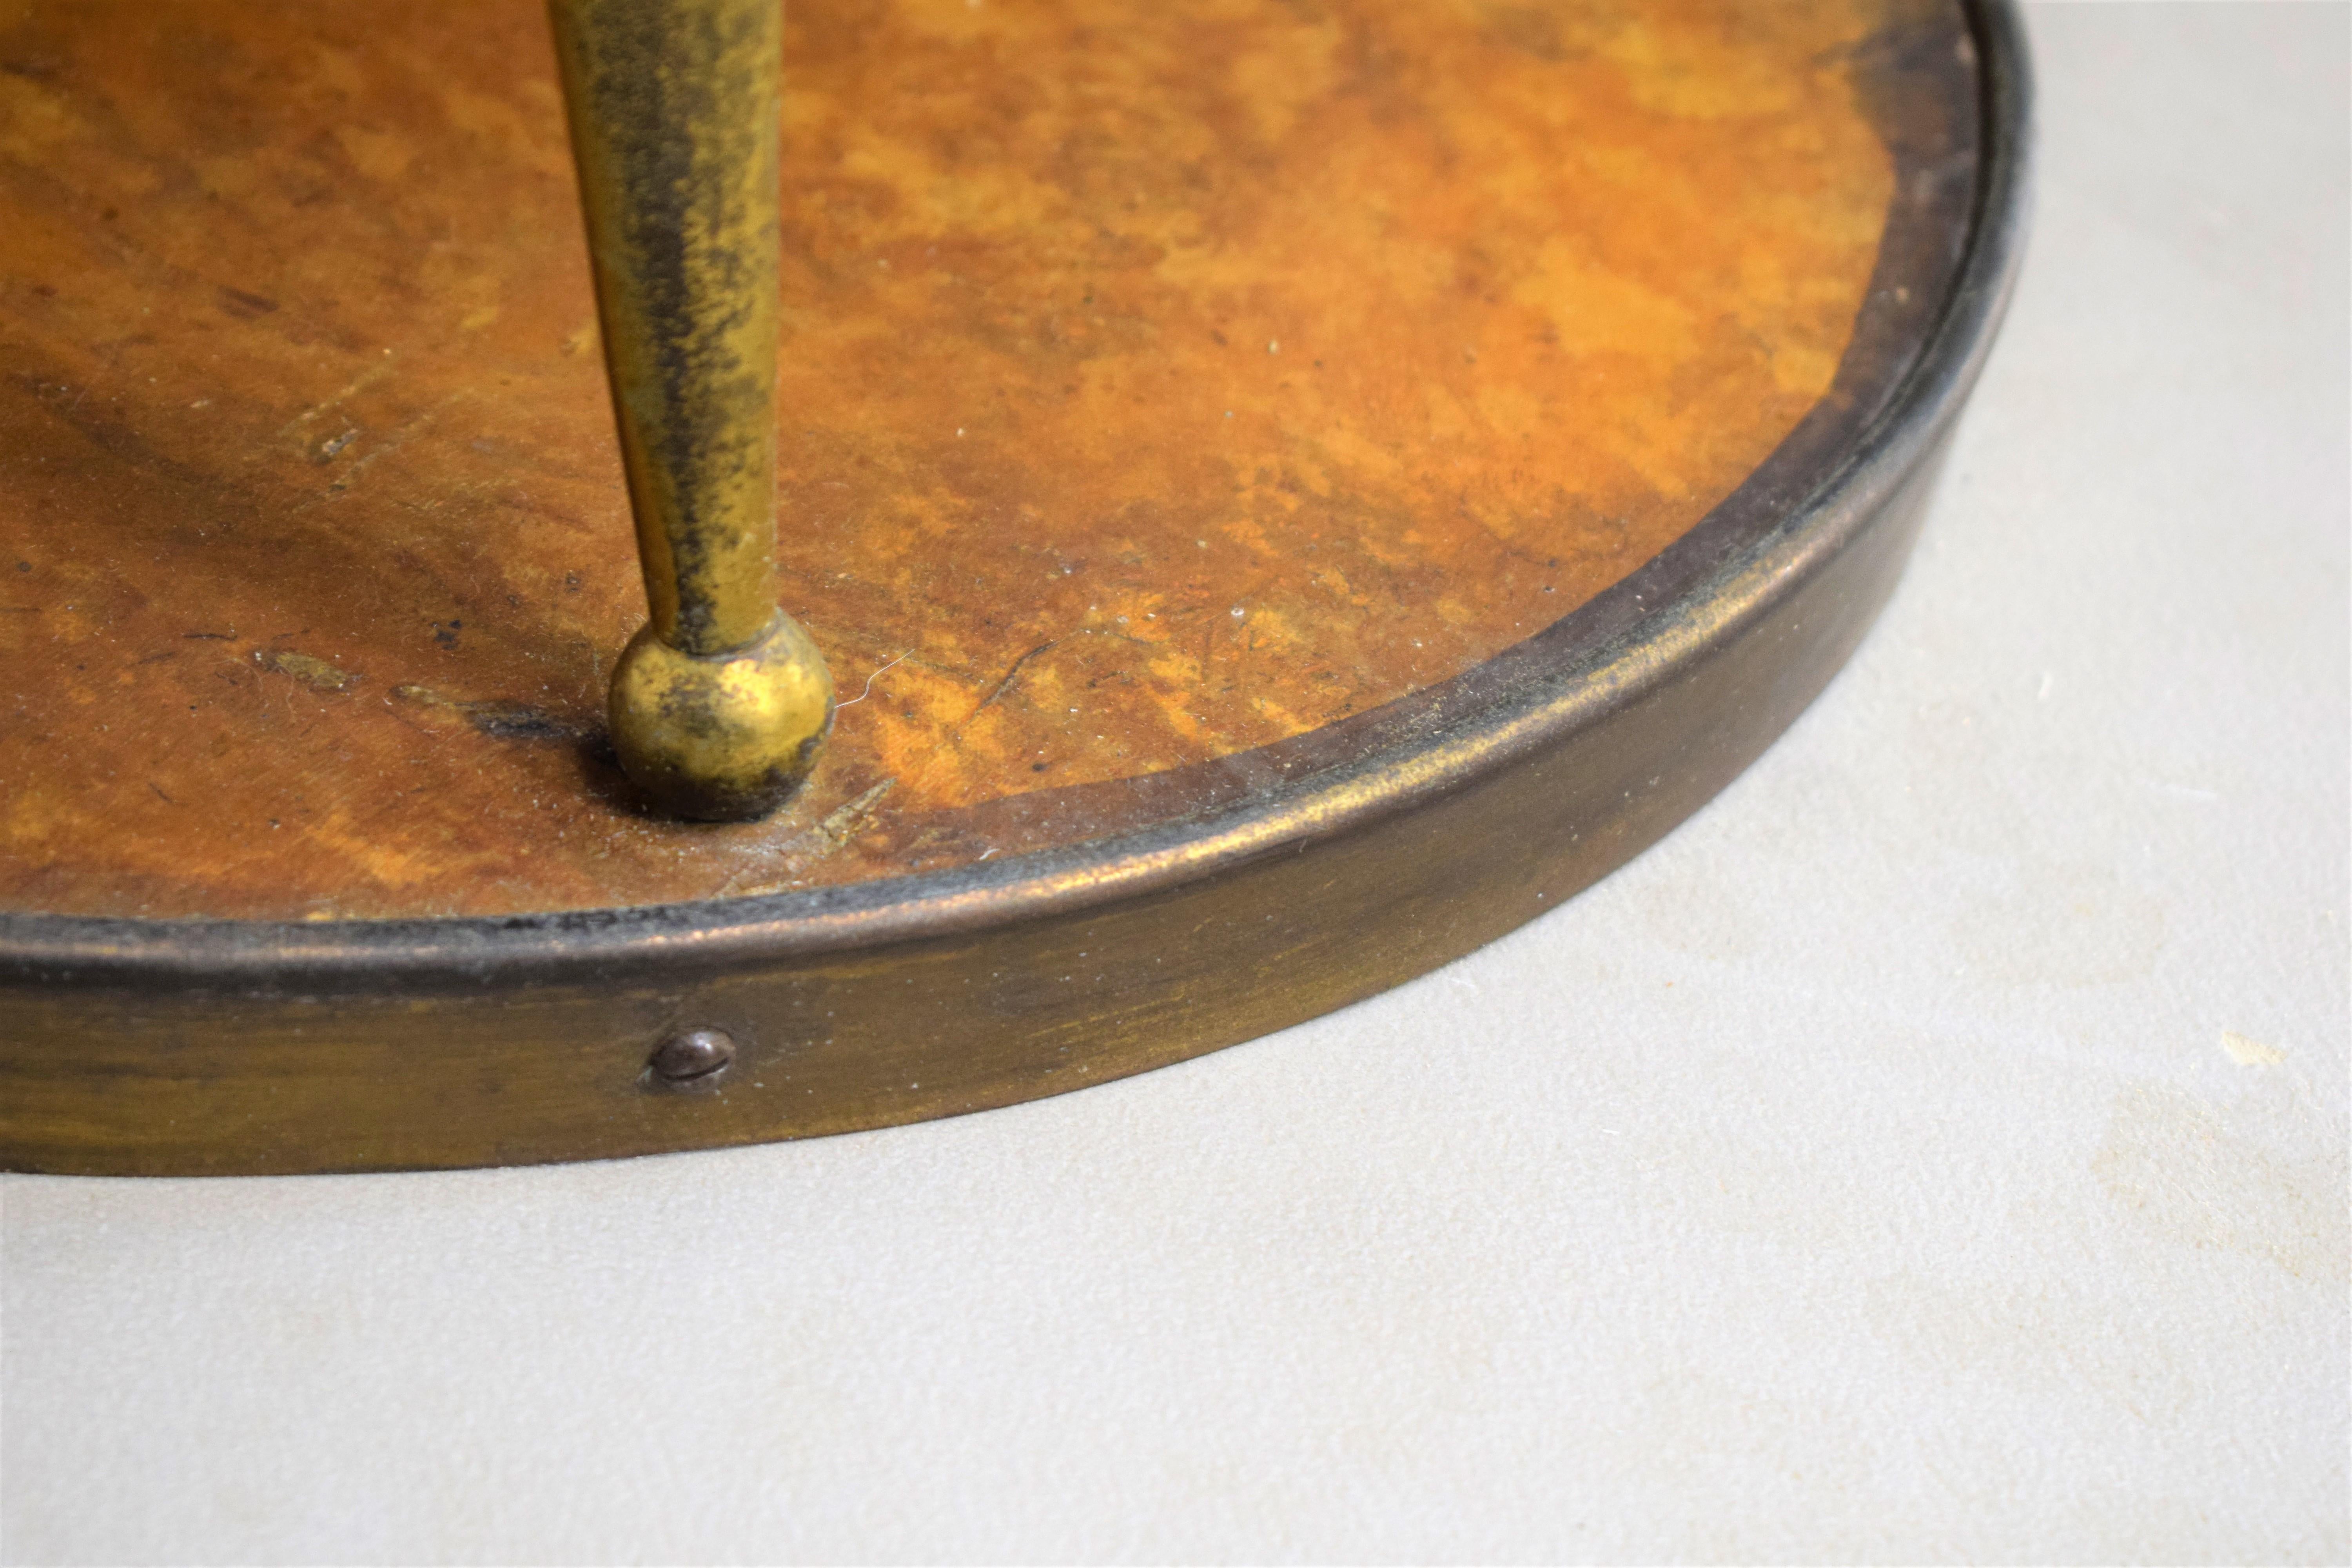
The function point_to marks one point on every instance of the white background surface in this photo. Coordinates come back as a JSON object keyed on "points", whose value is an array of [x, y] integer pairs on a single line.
{"points": [[1860, 1174]]}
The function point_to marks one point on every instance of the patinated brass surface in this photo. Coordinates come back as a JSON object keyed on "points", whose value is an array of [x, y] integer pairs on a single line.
{"points": [[1235, 896], [1163, 383]]}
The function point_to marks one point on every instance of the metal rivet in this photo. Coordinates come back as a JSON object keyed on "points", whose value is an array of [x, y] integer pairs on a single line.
{"points": [[692, 1056]]}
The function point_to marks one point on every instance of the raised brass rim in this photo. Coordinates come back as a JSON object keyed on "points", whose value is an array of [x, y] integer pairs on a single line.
{"points": [[1744, 572]]}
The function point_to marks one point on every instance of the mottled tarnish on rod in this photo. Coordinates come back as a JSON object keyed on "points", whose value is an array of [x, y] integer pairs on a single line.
{"points": [[673, 117], [719, 707], [1171, 381]]}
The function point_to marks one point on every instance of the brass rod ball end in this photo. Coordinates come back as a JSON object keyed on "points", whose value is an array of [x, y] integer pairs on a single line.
{"points": [[724, 737]]}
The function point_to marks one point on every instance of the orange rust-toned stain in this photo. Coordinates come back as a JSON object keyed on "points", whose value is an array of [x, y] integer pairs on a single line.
{"points": [[1159, 383]]}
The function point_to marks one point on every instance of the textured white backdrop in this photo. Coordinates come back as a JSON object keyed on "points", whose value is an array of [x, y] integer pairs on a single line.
{"points": [[1868, 1171]]}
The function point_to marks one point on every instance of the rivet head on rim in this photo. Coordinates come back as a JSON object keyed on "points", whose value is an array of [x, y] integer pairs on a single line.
{"points": [[690, 1058]]}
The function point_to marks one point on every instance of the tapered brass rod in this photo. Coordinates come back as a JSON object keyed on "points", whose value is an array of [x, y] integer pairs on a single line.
{"points": [[720, 705]]}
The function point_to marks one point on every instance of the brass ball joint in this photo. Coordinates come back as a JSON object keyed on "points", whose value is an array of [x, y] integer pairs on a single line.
{"points": [[724, 737]]}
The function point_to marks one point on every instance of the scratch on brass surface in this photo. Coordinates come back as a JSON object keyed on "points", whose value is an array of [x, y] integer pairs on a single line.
{"points": [[847, 822], [1004, 682], [394, 443], [501, 720], [318, 674], [795, 854], [358, 384]]}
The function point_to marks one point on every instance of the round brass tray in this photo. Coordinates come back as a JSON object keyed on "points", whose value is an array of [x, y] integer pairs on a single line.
{"points": [[1243, 895]]}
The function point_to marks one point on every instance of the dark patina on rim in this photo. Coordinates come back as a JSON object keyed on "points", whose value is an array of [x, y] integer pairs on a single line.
{"points": [[1334, 866]]}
